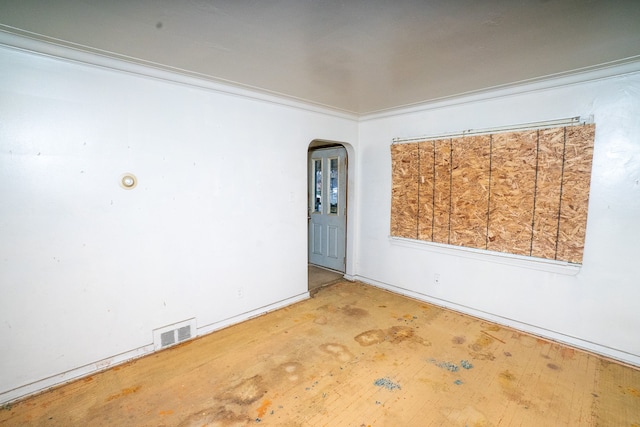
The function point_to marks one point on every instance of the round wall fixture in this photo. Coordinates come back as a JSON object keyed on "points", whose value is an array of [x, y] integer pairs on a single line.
{"points": [[128, 181]]}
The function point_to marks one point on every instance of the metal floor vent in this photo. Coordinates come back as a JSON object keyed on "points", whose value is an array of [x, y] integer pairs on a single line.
{"points": [[173, 334]]}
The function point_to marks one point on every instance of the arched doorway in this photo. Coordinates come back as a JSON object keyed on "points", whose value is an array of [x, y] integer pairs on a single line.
{"points": [[327, 212]]}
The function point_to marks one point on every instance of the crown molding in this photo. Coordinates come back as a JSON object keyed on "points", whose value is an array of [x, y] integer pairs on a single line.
{"points": [[608, 70], [45, 46]]}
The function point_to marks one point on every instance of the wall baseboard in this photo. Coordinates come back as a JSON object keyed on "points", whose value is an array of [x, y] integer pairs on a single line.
{"points": [[212, 327], [590, 347], [119, 359], [45, 384]]}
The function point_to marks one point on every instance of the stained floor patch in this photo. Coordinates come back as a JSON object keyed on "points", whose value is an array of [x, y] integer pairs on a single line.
{"points": [[512, 389], [338, 351], [480, 347], [481, 342], [320, 320], [374, 336], [458, 340], [218, 417], [394, 335], [291, 371], [247, 391], [353, 311], [430, 312]]}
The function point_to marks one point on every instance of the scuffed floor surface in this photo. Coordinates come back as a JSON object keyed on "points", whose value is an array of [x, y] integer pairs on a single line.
{"points": [[352, 356]]}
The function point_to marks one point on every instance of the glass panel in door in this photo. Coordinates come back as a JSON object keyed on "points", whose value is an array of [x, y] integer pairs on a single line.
{"points": [[333, 185], [317, 192]]}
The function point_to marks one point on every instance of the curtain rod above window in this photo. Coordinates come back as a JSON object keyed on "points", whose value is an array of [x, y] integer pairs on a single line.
{"points": [[571, 121]]}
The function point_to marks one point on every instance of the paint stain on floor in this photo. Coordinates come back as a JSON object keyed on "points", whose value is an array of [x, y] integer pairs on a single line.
{"points": [[262, 410], [451, 367], [387, 383], [124, 392], [466, 364], [630, 390]]}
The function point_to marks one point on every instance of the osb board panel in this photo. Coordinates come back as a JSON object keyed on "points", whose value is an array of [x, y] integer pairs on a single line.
{"points": [[404, 190], [471, 160], [442, 191], [523, 193], [548, 190], [576, 181], [513, 174], [426, 191]]}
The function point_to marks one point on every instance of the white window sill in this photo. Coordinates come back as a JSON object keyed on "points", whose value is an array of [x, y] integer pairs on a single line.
{"points": [[540, 264]]}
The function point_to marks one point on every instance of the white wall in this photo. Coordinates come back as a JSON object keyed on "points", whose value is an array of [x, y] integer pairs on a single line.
{"points": [[597, 308], [88, 269]]}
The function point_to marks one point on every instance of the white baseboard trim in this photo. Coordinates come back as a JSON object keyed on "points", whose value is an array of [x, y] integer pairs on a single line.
{"points": [[73, 374], [212, 327], [600, 350], [119, 359]]}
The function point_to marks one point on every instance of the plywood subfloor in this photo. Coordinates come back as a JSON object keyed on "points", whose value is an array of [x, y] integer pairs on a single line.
{"points": [[356, 356]]}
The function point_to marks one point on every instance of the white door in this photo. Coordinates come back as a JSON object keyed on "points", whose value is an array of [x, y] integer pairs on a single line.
{"points": [[328, 207]]}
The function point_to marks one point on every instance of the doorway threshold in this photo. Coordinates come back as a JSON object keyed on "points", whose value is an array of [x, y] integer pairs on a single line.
{"points": [[321, 276]]}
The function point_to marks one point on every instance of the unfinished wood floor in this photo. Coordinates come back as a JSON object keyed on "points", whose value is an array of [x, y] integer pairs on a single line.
{"points": [[319, 277], [352, 356]]}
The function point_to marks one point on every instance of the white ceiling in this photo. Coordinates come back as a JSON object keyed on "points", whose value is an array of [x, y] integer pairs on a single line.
{"points": [[358, 56]]}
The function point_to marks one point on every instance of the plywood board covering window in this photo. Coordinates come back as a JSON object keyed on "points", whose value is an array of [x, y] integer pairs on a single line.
{"points": [[523, 193]]}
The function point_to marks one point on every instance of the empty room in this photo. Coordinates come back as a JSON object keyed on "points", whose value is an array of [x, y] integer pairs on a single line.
{"points": [[319, 213]]}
